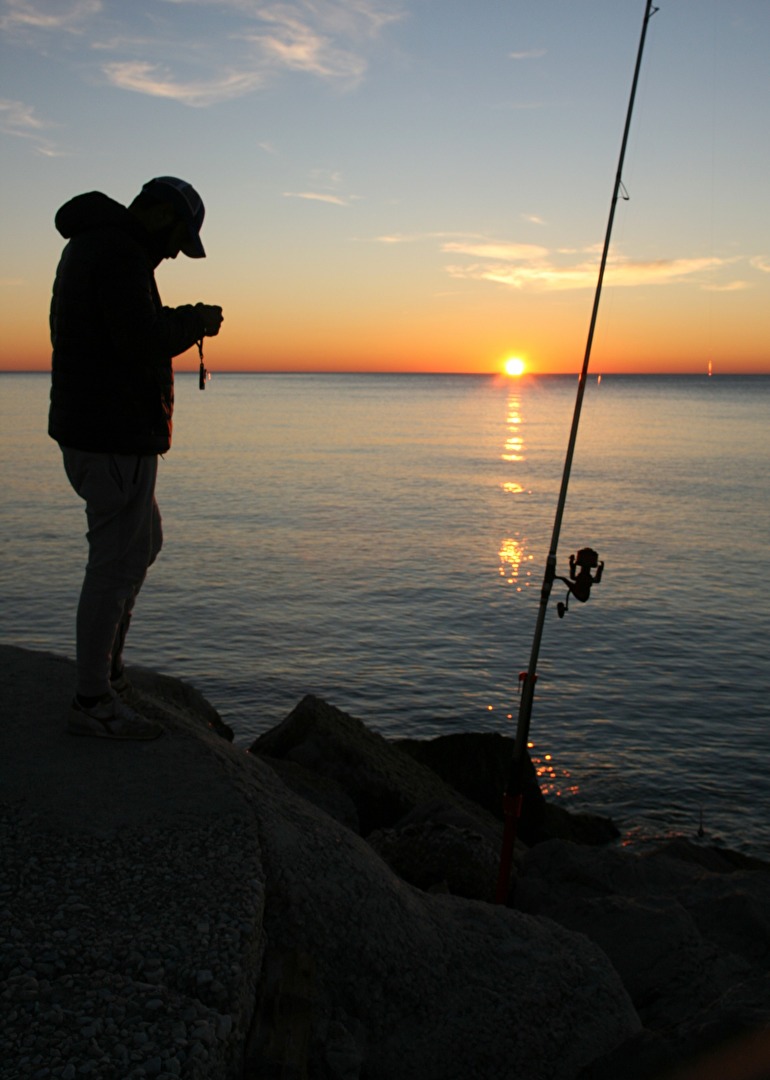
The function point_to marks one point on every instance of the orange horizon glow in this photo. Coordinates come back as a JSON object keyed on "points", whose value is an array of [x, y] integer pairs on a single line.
{"points": [[186, 366], [462, 347], [368, 326]]}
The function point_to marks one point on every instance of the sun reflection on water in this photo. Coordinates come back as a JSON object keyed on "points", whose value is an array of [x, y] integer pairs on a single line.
{"points": [[552, 780], [513, 554], [513, 557], [514, 443]]}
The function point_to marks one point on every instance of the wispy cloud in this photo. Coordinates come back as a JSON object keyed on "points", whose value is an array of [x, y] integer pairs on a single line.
{"points": [[250, 44], [22, 121], [355, 19], [29, 15], [157, 81], [16, 118], [238, 45], [317, 196], [761, 262], [416, 238], [533, 267], [329, 181], [511, 266], [527, 54], [291, 42], [496, 250], [730, 286], [257, 43]]}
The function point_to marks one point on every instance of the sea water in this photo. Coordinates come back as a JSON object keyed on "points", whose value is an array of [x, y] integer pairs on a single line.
{"points": [[380, 541]]}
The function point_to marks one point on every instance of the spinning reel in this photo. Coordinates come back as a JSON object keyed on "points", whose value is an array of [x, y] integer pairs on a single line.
{"points": [[580, 578]]}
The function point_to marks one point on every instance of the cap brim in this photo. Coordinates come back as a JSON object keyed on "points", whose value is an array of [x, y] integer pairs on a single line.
{"points": [[193, 249]]}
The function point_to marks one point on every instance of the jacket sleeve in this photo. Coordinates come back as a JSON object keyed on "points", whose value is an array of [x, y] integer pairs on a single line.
{"points": [[182, 327], [134, 318]]}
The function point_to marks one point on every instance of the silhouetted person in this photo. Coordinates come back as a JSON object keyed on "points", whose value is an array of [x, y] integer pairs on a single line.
{"points": [[112, 397]]}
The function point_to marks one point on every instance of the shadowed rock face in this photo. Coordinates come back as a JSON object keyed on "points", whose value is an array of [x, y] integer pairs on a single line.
{"points": [[225, 909], [235, 926], [477, 764], [425, 986], [686, 928], [383, 783]]}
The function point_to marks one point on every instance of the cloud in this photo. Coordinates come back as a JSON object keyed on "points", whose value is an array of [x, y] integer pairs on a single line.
{"points": [[761, 262], [16, 118], [529, 267], [26, 15], [147, 78], [295, 45], [528, 54], [255, 44], [532, 267], [495, 250], [731, 286], [396, 238], [415, 238], [21, 120], [238, 45], [316, 196], [328, 179]]}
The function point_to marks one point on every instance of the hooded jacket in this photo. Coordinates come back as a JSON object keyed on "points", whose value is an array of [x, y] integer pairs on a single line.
{"points": [[112, 387]]}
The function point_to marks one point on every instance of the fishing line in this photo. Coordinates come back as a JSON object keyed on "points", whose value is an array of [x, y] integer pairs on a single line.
{"points": [[712, 288], [513, 796], [621, 296]]}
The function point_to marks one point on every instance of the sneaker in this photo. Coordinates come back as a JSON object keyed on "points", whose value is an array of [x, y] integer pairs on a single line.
{"points": [[110, 718], [121, 684]]}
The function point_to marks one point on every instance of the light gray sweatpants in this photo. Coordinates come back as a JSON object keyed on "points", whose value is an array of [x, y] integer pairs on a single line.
{"points": [[124, 538]]}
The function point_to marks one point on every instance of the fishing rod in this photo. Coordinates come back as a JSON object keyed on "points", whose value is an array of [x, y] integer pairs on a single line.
{"points": [[586, 558]]}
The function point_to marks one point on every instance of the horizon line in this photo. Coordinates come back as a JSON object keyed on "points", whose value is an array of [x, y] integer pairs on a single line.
{"points": [[179, 372]]}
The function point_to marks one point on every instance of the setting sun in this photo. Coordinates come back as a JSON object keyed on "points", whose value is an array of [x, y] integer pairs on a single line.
{"points": [[514, 366]]}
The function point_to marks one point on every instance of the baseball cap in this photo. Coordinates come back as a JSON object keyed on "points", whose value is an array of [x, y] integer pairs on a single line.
{"points": [[190, 205]]}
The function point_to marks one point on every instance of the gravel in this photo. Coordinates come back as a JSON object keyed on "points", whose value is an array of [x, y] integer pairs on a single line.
{"points": [[129, 955]]}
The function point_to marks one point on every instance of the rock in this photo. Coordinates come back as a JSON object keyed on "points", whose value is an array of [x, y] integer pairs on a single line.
{"points": [[434, 986], [578, 826], [477, 765], [431, 854], [383, 783], [229, 889], [329, 964], [320, 790], [177, 696], [686, 928]]}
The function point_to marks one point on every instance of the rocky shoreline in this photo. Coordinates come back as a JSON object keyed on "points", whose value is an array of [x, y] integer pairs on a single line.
{"points": [[318, 907]]}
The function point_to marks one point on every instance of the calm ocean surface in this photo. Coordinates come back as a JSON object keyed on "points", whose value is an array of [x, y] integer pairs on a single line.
{"points": [[380, 541]]}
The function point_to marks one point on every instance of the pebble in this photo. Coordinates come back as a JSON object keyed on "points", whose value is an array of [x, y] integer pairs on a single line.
{"points": [[121, 957]]}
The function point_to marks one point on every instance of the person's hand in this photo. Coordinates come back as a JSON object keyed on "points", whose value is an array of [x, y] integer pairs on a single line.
{"points": [[212, 318]]}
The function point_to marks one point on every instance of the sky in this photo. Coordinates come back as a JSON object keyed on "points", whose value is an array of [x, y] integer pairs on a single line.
{"points": [[408, 185]]}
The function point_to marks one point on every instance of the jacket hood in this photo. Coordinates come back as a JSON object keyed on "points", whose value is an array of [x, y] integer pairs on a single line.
{"points": [[92, 211]]}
